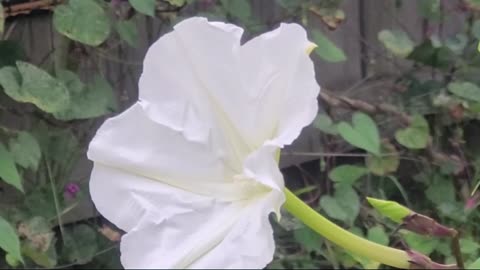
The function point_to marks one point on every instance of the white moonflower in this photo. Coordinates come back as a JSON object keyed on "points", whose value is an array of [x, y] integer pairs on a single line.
{"points": [[189, 171]]}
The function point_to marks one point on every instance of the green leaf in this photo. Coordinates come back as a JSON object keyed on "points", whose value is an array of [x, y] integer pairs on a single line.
{"points": [[238, 9], [476, 29], [378, 235], [390, 209], [33, 85], [343, 206], [363, 133], [383, 165], [146, 7], [11, 261], [474, 265], [441, 190], [8, 170], [327, 50], [84, 21], [466, 90], [397, 42], [47, 259], [127, 30], [469, 246], [457, 43], [93, 100], [430, 9], [9, 240], [423, 244], [10, 52], [324, 123], [347, 174], [25, 150], [416, 136], [427, 54], [80, 244], [309, 239]]}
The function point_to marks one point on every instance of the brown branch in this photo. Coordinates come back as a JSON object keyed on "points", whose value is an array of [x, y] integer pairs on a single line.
{"points": [[28, 7], [360, 105]]}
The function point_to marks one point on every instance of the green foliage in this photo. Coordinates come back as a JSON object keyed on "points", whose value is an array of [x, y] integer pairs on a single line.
{"points": [[92, 100], [9, 241], [326, 49], [146, 7], [83, 21], [383, 165], [397, 42], [80, 244], [466, 90], [28, 83], [25, 150], [416, 136], [343, 206], [10, 53], [308, 239], [362, 133], [347, 174], [127, 30], [8, 170], [324, 123], [474, 265], [238, 9], [430, 9]]}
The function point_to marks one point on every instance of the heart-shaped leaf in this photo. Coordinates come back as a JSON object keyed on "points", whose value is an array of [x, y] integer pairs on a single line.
{"points": [[84, 21], [31, 84], [347, 174], [466, 90], [324, 123], [383, 165], [416, 136], [363, 133], [397, 42], [343, 206]]}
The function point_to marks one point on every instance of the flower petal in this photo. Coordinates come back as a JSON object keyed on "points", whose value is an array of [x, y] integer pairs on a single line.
{"points": [[133, 142], [236, 235], [127, 200], [281, 78], [199, 78]]}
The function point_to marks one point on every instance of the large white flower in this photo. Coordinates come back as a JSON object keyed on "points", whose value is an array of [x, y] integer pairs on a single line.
{"points": [[189, 171]]}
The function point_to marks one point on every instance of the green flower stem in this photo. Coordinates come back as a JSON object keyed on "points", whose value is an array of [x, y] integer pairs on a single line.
{"points": [[345, 239]]}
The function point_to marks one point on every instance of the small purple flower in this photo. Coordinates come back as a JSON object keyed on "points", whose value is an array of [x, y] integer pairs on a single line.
{"points": [[473, 201], [70, 190]]}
